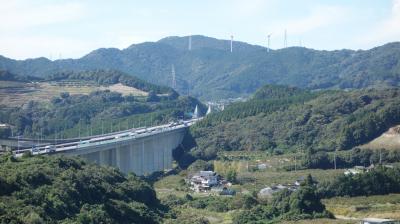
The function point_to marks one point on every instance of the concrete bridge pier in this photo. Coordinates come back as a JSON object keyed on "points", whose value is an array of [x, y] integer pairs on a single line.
{"points": [[143, 155]]}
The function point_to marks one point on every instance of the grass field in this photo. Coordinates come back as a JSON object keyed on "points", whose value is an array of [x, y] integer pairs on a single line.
{"points": [[261, 179], [321, 221], [170, 185], [14, 94], [211, 216], [378, 206], [249, 180]]}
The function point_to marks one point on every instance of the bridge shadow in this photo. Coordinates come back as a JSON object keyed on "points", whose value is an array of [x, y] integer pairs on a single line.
{"points": [[182, 154]]}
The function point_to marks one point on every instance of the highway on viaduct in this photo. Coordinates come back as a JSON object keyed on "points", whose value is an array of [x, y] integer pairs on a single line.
{"points": [[142, 151]]}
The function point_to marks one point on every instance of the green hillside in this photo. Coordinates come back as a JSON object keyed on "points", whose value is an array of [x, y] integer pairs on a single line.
{"points": [[97, 112], [211, 71], [48, 189], [280, 119]]}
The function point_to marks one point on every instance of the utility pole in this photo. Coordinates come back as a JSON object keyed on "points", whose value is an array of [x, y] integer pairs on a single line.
{"points": [[334, 159], [18, 144], [173, 76], [79, 132]]}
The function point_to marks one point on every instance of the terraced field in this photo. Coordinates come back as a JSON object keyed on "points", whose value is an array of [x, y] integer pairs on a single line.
{"points": [[15, 94]]}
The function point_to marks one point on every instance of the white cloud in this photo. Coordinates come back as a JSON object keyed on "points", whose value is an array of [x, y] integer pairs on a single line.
{"points": [[319, 17], [25, 28], [384, 31], [46, 46], [18, 15]]}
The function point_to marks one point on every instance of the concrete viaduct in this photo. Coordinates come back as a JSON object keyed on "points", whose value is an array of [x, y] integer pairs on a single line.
{"points": [[141, 151]]}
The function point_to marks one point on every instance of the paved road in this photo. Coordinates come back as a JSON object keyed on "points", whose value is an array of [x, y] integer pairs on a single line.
{"points": [[108, 138]]}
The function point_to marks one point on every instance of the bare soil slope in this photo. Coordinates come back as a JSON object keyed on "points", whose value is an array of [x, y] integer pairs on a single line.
{"points": [[388, 140]]}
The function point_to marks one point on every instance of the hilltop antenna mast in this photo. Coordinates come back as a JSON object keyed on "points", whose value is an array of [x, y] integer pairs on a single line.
{"points": [[285, 40], [173, 76], [231, 43], [269, 37], [190, 43]]}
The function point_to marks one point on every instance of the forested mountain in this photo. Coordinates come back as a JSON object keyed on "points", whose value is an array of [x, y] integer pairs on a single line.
{"points": [[285, 119], [211, 71]]}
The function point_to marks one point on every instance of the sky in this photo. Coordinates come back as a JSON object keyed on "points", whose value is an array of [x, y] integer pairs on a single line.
{"points": [[71, 29]]}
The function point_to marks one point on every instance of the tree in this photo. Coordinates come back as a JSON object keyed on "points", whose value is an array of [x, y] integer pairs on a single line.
{"points": [[64, 95], [231, 176], [152, 97]]}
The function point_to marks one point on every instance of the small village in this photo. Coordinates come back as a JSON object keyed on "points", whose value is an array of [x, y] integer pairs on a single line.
{"points": [[209, 182]]}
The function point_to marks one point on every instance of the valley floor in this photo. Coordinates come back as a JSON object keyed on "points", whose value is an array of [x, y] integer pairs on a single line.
{"points": [[346, 210]]}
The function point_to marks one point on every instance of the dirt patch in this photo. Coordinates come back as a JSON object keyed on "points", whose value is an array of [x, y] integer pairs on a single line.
{"points": [[125, 90], [388, 140], [394, 130]]}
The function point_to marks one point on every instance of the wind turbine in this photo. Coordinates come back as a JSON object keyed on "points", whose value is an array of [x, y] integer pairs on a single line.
{"points": [[285, 40], [190, 43], [231, 43], [269, 38]]}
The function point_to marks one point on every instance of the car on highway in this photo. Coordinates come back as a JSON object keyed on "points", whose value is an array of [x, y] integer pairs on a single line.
{"points": [[50, 148], [34, 150], [122, 135], [140, 131], [84, 142]]}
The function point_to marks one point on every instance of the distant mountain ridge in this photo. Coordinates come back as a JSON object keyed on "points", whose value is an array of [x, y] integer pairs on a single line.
{"points": [[211, 71]]}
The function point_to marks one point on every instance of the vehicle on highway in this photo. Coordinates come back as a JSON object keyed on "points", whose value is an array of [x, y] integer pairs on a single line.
{"points": [[50, 148], [122, 135], [34, 150], [140, 131], [84, 142]]}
